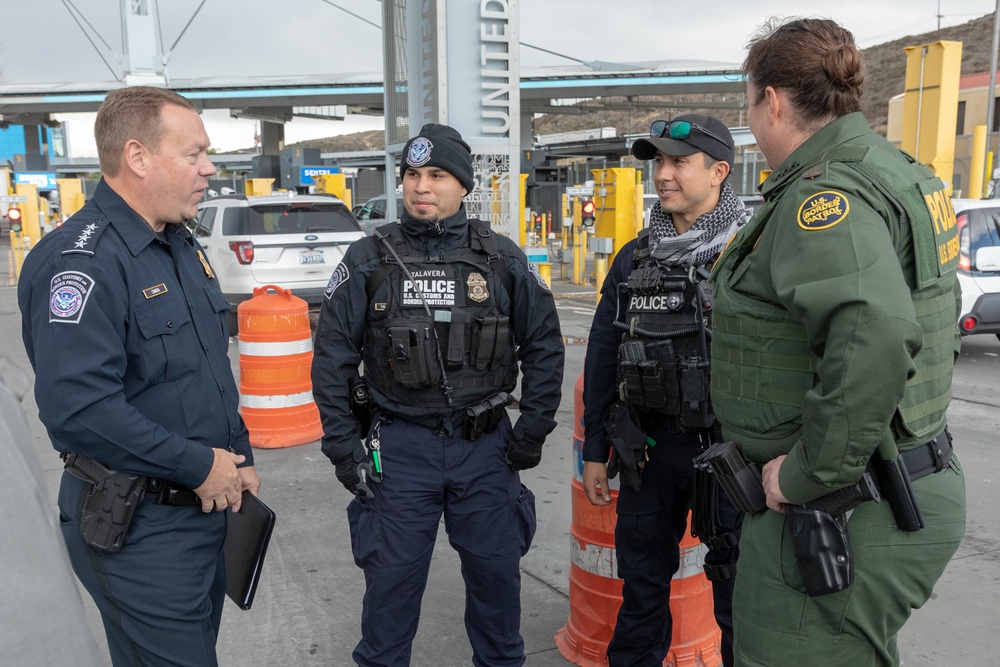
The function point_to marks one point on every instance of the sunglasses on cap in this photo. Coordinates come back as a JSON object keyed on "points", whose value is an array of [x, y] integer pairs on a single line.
{"points": [[680, 129]]}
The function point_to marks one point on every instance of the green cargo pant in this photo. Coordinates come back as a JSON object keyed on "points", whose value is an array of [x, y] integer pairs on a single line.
{"points": [[778, 625]]}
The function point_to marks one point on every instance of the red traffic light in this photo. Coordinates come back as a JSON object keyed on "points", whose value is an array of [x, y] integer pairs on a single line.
{"points": [[14, 216], [587, 212]]}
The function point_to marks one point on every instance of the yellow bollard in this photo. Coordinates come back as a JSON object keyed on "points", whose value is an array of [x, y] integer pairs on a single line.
{"points": [[600, 270], [977, 165], [545, 271], [989, 174], [256, 187]]}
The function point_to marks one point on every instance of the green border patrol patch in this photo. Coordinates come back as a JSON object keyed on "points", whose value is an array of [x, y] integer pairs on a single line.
{"points": [[823, 210]]}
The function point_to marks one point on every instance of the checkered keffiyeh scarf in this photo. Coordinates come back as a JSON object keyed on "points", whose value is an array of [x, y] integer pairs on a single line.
{"points": [[701, 244]]}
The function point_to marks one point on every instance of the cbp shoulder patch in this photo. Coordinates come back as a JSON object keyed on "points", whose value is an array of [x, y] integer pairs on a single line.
{"points": [[339, 277], [68, 296], [823, 210], [538, 276]]}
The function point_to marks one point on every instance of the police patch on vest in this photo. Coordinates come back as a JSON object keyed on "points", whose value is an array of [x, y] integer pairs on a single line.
{"points": [[538, 276], [339, 277], [477, 287], [420, 152], [654, 303], [68, 297], [823, 210], [436, 285]]}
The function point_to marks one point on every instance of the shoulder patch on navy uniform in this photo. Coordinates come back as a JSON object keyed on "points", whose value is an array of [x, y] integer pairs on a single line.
{"points": [[68, 296], [823, 210], [538, 276], [339, 277], [87, 239]]}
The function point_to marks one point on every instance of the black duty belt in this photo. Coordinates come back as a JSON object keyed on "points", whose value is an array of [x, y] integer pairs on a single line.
{"points": [[928, 458], [158, 490]]}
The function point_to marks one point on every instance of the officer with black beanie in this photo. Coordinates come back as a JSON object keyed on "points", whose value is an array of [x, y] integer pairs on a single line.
{"points": [[442, 312]]}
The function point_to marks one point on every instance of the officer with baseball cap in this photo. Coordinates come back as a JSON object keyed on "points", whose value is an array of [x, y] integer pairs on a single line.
{"points": [[441, 311], [653, 340], [687, 135]]}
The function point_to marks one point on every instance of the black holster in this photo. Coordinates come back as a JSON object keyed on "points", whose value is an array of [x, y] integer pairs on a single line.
{"points": [[361, 405], [822, 549], [628, 446], [894, 480], [485, 416], [109, 507], [820, 538]]}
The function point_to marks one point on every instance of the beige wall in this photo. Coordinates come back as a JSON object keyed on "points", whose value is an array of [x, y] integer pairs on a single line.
{"points": [[975, 114]]}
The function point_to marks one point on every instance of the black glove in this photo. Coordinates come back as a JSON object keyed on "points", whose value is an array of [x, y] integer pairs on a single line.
{"points": [[347, 474], [524, 453], [351, 472]]}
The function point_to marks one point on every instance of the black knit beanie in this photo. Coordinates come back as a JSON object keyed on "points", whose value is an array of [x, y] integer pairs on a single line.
{"points": [[440, 146]]}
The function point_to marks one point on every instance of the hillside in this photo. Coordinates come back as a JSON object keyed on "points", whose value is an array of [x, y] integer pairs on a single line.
{"points": [[886, 66]]}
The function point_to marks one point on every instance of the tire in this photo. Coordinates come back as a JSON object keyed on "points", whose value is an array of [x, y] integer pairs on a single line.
{"points": [[234, 322]]}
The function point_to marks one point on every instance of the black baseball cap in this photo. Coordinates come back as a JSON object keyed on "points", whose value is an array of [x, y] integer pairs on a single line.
{"points": [[704, 135]]}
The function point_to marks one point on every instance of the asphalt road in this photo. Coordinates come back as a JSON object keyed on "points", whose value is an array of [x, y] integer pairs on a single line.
{"points": [[308, 606]]}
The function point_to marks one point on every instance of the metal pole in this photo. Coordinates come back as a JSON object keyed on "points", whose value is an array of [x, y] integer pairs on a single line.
{"points": [[920, 100], [990, 87]]}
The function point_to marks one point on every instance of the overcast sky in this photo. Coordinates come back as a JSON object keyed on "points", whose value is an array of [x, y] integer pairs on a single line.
{"points": [[41, 42]]}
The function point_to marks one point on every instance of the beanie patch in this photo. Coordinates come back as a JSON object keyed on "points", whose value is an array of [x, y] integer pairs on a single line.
{"points": [[420, 152], [443, 147]]}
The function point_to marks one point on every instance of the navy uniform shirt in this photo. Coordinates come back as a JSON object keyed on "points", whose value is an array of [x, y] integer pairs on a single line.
{"points": [[128, 337]]}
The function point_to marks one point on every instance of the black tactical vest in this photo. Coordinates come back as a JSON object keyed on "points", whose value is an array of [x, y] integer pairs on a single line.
{"points": [[663, 364], [464, 348]]}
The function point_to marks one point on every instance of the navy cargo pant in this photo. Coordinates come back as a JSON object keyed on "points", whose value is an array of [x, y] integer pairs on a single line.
{"points": [[161, 596], [651, 524], [490, 520]]}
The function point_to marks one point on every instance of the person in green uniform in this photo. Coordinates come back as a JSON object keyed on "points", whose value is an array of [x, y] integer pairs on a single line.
{"points": [[833, 347]]}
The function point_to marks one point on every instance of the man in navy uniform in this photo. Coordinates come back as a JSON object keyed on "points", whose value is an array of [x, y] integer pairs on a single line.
{"points": [[125, 326], [441, 310]]}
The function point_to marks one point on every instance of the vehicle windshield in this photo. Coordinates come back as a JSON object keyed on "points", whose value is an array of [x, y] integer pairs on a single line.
{"points": [[300, 218]]}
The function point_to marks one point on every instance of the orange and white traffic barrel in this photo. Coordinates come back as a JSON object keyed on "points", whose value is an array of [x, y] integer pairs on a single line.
{"points": [[595, 591], [276, 354]]}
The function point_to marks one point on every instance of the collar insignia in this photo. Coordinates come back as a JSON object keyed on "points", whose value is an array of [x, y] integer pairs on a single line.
{"points": [[205, 265]]}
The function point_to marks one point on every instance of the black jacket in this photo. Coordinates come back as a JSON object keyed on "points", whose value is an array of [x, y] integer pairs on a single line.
{"points": [[346, 310]]}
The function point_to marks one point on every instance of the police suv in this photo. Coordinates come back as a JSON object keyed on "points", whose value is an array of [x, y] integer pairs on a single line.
{"points": [[979, 264], [285, 239]]}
